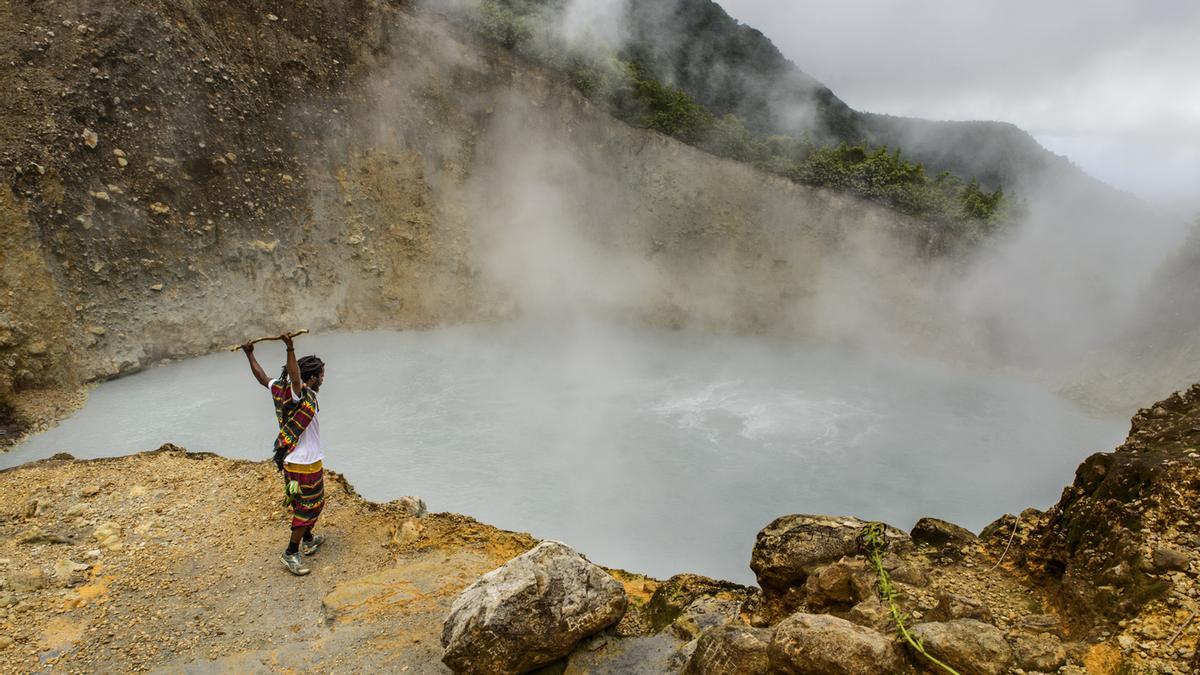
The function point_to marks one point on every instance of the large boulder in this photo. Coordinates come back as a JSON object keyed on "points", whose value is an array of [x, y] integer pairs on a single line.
{"points": [[793, 547], [938, 533], [730, 650], [532, 610], [971, 647], [819, 644]]}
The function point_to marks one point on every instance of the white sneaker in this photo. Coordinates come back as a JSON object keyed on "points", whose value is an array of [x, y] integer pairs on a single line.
{"points": [[294, 564], [311, 547]]}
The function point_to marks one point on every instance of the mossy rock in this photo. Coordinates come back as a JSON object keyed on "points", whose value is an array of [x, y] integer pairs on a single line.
{"points": [[675, 594]]}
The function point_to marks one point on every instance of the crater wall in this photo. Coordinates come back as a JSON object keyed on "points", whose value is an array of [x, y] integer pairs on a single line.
{"points": [[182, 176]]}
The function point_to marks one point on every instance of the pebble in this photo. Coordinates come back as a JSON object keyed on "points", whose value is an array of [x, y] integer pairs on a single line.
{"points": [[109, 536], [31, 580]]}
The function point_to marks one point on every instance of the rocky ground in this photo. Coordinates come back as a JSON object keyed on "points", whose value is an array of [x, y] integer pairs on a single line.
{"points": [[37, 410], [168, 561]]}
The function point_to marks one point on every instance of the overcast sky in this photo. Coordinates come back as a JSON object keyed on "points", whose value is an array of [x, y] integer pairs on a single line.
{"points": [[1112, 84]]}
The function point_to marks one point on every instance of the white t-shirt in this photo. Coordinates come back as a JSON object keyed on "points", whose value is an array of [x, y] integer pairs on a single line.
{"points": [[308, 448]]}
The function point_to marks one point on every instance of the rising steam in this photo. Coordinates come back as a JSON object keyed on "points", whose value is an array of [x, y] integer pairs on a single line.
{"points": [[572, 212]]}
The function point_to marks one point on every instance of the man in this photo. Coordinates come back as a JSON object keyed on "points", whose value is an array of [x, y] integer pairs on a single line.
{"points": [[297, 447]]}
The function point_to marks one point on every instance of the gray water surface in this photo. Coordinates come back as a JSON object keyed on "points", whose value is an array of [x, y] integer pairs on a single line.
{"points": [[655, 451]]}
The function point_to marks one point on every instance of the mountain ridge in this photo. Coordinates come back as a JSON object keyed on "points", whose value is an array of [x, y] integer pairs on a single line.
{"points": [[999, 154]]}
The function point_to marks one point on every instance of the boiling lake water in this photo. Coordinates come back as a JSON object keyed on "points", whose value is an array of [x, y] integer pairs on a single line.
{"points": [[659, 452]]}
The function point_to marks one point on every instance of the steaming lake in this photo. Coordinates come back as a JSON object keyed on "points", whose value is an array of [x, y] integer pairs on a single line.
{"points": [[655, 451]]}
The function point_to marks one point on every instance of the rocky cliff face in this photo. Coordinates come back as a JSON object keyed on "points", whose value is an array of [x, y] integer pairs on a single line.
{"points": [[1124, 533], [180, 176]]}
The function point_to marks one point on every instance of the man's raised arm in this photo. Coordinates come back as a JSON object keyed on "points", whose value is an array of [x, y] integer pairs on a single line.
{"points": [[254, 367], [293, 368]]}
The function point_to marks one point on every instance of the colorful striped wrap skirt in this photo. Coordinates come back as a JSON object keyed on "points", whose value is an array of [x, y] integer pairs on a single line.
{"points": [[310, 499]]}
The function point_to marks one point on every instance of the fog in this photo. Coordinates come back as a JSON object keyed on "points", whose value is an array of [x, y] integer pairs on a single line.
{"points": [[680, 348], [556, 230], [1109, 85], [668, 458]]}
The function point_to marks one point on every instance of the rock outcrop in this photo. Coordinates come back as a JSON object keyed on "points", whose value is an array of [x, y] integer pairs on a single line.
{"points": [[938, 533], [731, 650], [819, 644], [703, 614], [676, 594], [971, 647], [792, 547], [529, 612], [1115, 541]]}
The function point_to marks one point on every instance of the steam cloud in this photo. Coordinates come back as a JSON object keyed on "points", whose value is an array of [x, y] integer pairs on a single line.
{"points": [[563, 228]]}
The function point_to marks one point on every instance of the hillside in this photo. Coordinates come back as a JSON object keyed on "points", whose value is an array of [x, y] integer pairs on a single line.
{"points": [[182, 175], [732, 68]]}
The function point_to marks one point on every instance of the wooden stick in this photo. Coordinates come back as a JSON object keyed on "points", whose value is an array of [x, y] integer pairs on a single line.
{"points": [[235, 348], [1181, 629]]}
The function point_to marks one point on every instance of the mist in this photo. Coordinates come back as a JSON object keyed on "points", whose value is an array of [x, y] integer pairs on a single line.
{"points": [[651, 351], [1108, 87], [563, 221]]}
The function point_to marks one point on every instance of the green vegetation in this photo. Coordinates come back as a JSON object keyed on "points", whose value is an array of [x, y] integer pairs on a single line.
{"points": [[876, 545], [626, 88]]}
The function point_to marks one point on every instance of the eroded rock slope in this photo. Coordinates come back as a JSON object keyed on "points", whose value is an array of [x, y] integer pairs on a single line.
{"points": [[180, 176]]}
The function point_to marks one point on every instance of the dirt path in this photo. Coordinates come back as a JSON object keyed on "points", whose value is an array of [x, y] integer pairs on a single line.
{"points": [[186, 577]]}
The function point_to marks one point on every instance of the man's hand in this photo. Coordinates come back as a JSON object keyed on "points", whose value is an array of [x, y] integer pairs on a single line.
{"points": [[256, 369], [287, 340]]}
